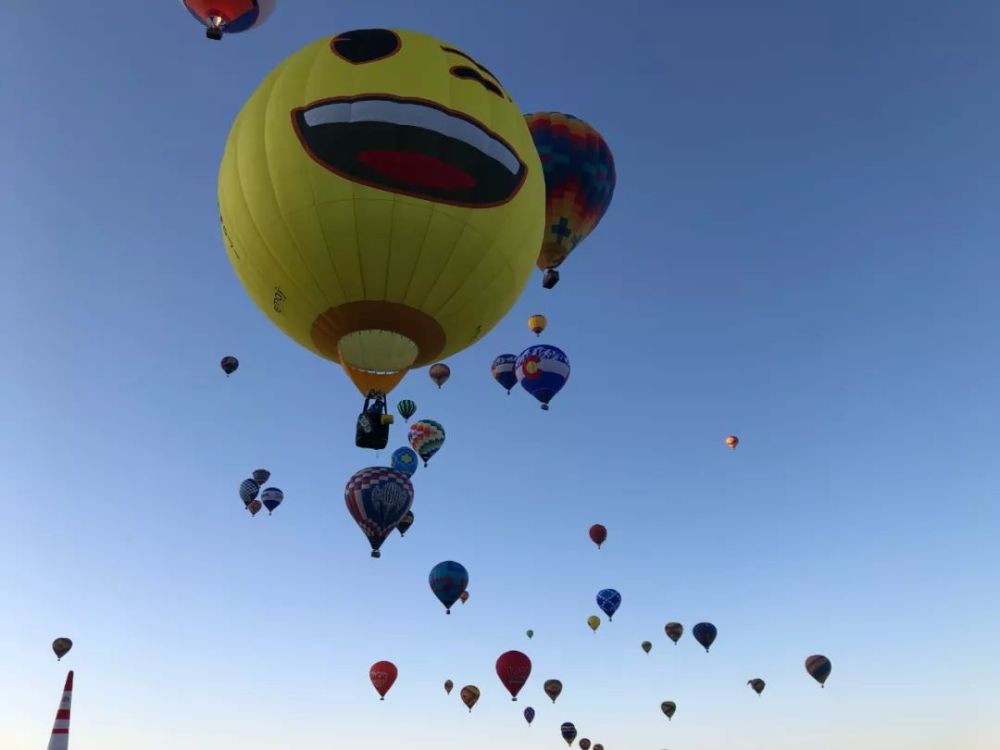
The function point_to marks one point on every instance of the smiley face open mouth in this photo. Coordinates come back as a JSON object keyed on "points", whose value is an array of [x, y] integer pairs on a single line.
{"points": [[410, 146]]}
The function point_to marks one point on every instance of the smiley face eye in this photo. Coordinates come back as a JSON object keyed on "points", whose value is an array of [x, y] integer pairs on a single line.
{"points": [[463, 71], [365, 45]]}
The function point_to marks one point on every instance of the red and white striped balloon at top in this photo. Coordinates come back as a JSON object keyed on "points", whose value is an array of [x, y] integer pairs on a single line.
{"points": [[60, 729]]}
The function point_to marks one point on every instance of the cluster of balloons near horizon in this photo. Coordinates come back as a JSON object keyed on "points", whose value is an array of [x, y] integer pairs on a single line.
{"points": [[427, 239], [270, 497]]}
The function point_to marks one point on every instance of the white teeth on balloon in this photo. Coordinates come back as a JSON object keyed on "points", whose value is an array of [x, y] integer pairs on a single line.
{"points": [[416, 115]]}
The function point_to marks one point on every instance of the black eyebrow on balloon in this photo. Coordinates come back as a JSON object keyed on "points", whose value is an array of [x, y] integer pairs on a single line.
{"points": [[483, 68]]}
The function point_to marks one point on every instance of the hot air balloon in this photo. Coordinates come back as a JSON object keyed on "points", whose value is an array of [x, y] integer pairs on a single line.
{"points": [[254, 507], [248, 490], [229, 365], [674, 631], [392, 216], [426, 437], [732, 441], [448, 685], [529, 715], [377, 499], [552, 688], [405, 523], [470, 695], [531, 633], [598, 746], [669, 708], [260, 476], [819, 668], [598, 534], [383, 675], [448, 580], [609, 600], [463, 597], [594, 622], [757, 684], [542, 371], [579, 183], [61, 647], [584, 743], [502, 370], [513, 669], [646, 646], [229, 16], [405, 460], [406, 409], [439, 373], [704, 633], [537, 323], [568, 732], [272, 497]]}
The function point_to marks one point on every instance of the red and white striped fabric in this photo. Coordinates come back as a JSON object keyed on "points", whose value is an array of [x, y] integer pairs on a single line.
{"points": [[60, 730]]}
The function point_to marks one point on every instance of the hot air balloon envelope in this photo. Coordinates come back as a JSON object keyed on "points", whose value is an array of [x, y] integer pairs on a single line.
{"points": [[542, 371], [470, 694], [598, 534], [705, 633], [61, 647], [552, 688], [404, 460], [383, 675], [503, 370], [272, 497], [426, 438], [819, 668], [448, 580], [609, 600], [229, 16], [377, 499], [513, 669]]}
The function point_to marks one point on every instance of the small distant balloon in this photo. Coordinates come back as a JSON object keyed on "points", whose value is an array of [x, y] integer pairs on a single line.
{"points": [[529, 715], [255, 507], [674, 631], [531, 633], [598, 534], [272, 498], [732, 441], [463, 597], [426, 438], [646, 646], [448, 685], [609, 600], [448, 580], [260, 476], [383, 674], [406, 409], [537, 324], [470, 695], [757, 684], [440, 373], [584, 743], [404, 525], [819, 668], [705, 633], [229, 365], [405, 460], [248, 490], [568, 732], [598, 746], [669, 708], [594, 622], [61, 647], [513, 668], [503, 371], [552, 688]]}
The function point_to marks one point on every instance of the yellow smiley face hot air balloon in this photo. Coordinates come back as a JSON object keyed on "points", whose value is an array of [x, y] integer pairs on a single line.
{"points": [[382, 201]]}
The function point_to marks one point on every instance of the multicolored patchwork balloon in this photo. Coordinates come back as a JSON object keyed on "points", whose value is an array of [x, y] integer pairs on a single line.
{"points": [[579, 181], [542, 371], [377, 499], [503, 371], [448, 580], [426, 438]]}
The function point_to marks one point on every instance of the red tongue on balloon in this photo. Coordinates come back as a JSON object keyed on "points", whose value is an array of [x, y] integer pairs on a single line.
{"points": [[419, 170]]}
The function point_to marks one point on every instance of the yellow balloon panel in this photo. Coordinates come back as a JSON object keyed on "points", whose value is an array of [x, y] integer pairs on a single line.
{"points": [[381, 199]]}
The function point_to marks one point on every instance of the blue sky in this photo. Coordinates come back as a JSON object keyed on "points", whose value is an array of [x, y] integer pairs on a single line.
{"points": [[801, 250]]}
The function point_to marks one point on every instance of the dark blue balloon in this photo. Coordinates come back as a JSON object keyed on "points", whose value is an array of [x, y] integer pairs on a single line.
{"points": [[609, 600], [542, 371], [404, 460], [448, 580], [503, 370], [704, 633], [529, 714]]}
